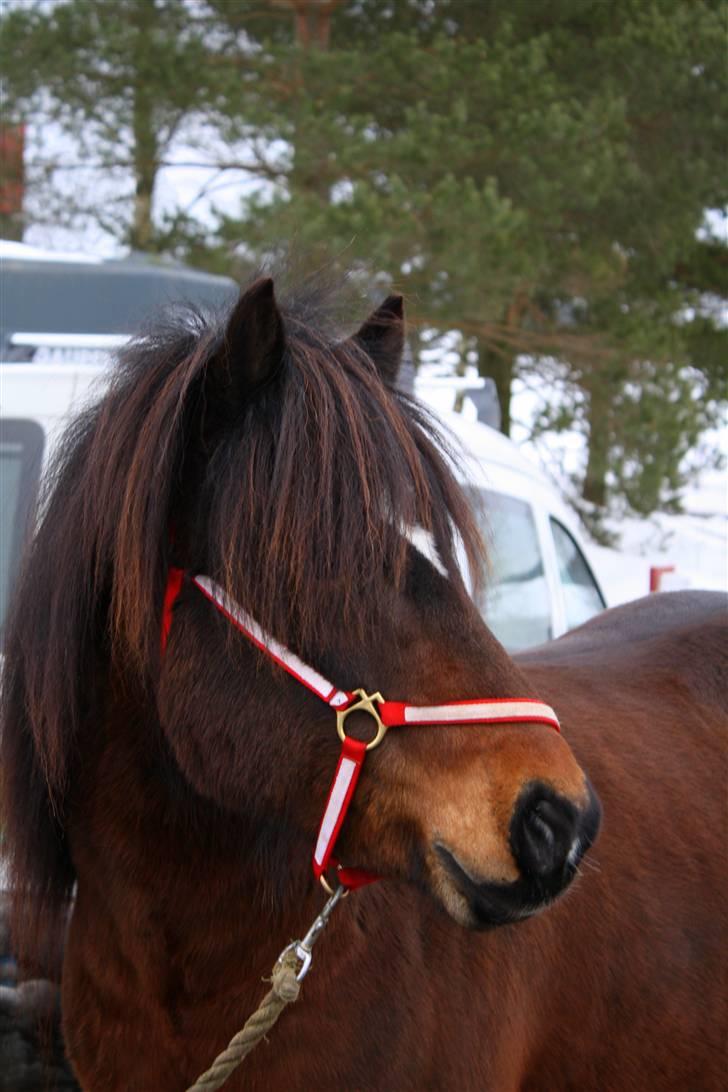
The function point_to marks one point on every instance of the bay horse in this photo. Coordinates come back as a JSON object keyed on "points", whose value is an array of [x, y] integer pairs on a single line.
{"points": [[159, 807]]}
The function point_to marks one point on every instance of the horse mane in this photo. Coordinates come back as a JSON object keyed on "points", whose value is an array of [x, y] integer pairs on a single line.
{"points": [[301, 496]]}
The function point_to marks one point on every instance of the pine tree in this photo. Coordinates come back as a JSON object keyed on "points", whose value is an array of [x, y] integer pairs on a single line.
{"points": [[533, 176], [120, 78]]}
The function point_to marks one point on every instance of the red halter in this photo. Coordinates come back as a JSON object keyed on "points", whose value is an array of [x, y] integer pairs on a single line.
{"points": [[386, 714]]}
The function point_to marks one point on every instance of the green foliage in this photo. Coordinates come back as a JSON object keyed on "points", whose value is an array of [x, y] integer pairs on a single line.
{"points": [[534, 176], [119, 77]]}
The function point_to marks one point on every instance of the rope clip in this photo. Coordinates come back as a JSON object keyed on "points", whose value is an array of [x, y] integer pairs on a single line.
{"points": [[302, 949]]}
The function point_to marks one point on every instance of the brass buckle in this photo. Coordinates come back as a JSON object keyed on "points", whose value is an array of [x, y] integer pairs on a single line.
{"points": [[366, 705]]}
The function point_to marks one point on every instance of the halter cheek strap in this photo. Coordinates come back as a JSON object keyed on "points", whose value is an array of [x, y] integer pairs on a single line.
{"points": [[386, 715]]}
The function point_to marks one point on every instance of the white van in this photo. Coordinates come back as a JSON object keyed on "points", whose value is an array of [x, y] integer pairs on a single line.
{"points": [[540, 583]]}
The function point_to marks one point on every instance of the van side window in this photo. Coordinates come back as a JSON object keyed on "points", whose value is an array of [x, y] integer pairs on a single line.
{"points": [[516, 603], [582, 598], [21, 454]]}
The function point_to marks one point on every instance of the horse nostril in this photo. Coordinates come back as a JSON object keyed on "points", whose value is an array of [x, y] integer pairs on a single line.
{"points": [[543, 831]]}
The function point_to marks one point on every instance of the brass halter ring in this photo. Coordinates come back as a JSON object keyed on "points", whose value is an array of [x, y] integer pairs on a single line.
{"points": [[364, 705], [332, 890]]}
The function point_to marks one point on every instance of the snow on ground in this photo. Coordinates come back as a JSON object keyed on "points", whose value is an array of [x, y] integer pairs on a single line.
{"points": [[694, 543]]}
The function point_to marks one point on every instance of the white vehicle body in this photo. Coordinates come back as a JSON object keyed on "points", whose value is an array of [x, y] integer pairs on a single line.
{"points": [[540, 583], [534, 593]]}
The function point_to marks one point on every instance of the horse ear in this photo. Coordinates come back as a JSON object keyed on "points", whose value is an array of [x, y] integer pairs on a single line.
{"points": [[254, 339], [382, 337]]}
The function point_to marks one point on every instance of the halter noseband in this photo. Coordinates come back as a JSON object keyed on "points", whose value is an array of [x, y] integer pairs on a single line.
{"points": [[386, 715]]}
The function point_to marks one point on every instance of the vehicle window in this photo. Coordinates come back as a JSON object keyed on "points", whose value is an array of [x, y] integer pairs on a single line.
{"points": [[516, 603], [21, 452], [582, 598]]}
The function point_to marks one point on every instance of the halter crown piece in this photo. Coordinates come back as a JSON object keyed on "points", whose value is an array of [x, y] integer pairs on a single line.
{"points": [[386, 715]]}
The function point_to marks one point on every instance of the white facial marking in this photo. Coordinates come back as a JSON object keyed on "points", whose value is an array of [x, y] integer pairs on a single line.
{"points": [[423, 542]]}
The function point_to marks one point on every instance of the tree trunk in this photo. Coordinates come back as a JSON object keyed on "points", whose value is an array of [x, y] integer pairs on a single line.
{"points": [[312, 21], [145, 151], [141, 230], [500, 369], [12, 181], [12, 226], [309, 176], [145, 171], [594, 488]]}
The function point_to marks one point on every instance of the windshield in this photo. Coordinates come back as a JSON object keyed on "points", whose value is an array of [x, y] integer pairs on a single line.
{"points": [[516, 603]]}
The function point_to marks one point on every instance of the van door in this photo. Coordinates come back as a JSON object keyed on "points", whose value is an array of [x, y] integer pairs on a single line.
{"points": [[21, 459]]}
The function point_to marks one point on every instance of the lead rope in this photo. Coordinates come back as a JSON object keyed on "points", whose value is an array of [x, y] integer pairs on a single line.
{"points": [[291, 967]]}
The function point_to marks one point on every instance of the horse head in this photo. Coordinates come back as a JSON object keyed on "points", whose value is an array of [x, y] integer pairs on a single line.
{"points": [[304, 472]]}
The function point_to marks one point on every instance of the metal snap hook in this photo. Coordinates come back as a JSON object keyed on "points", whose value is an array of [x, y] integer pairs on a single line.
{"points": [[302, 949]]}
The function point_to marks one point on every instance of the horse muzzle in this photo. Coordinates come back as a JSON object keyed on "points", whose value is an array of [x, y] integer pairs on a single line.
{"points": [[549, 835]]}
